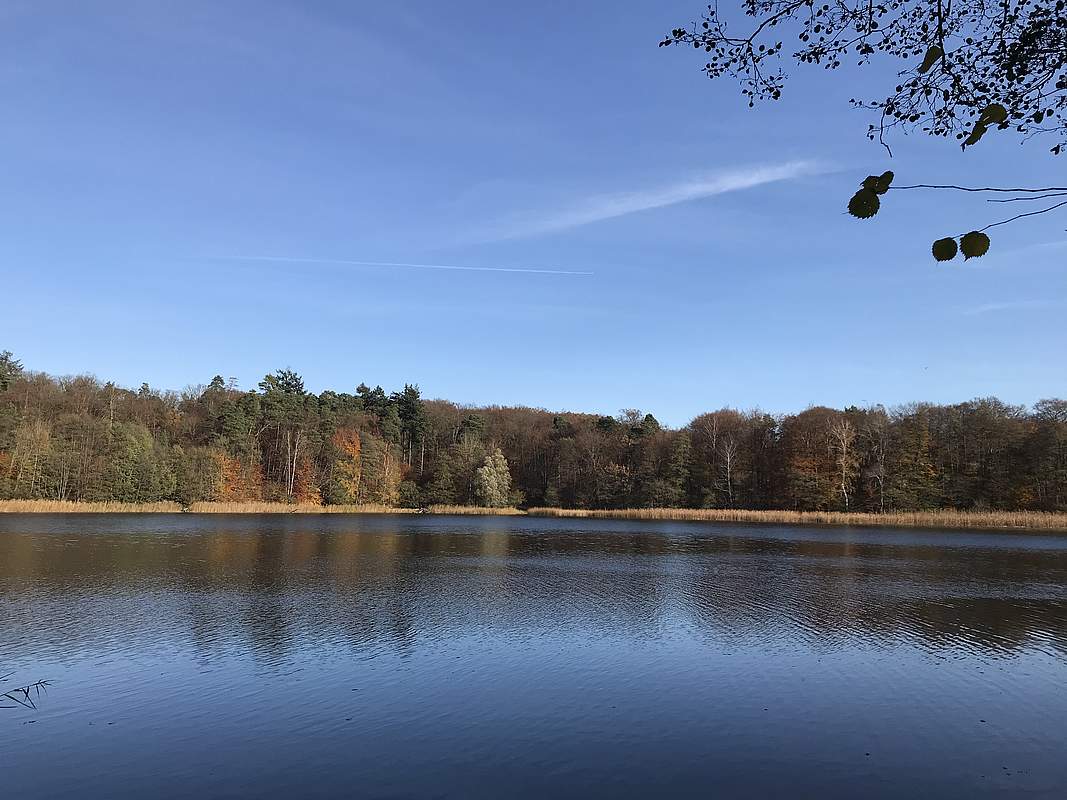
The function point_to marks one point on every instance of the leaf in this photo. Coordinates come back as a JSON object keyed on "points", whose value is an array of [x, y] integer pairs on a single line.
{"points": [[976, 135], [945, 249], [993, 114], [879, 184], [932, 55], [864, 204], [974, 245]]}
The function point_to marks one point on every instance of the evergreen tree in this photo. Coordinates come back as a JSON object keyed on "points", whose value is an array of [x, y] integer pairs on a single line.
{"points": [[412, 423], [10, 369], [441, 489]]}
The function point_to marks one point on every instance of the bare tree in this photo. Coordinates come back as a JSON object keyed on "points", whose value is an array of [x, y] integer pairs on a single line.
{"points": [[292, 457], [842, 435], [876, 434], [727, 450]]}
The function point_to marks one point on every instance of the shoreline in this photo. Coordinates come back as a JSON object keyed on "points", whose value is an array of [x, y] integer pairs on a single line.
{"points": [[943, 519], [247, 507], [946, 519]]}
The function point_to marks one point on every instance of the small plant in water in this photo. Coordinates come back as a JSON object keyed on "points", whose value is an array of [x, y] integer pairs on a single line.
{"points": [[23, 696]]}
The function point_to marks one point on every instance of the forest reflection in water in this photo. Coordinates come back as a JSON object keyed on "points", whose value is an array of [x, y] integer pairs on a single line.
{"points": [[280, 581], [295, 655]]}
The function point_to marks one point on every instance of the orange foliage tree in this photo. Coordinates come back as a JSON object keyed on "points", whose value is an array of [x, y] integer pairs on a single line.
{"points": [[239, 480], [347, 467]]}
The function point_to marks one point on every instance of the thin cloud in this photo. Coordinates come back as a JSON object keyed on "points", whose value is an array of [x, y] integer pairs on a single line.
{"points": [[609, 206], [1014, 305], [459, 267]]}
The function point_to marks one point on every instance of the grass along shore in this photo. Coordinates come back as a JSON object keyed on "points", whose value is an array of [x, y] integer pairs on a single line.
{"points": [[948, 518], [998, 520], [245, 507]]}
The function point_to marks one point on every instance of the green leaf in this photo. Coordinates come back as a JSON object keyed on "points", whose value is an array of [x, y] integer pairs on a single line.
{"points": [[976, 135], [932, 55], [974, 245], [879, 184], [993, 114], [864, 204], [945, 249]]}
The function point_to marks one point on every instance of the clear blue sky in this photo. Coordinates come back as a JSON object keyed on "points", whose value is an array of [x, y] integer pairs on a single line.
{"points": [[185, 185]]}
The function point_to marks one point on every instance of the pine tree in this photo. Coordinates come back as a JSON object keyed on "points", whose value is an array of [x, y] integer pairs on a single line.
{"points": [[10, 369]]}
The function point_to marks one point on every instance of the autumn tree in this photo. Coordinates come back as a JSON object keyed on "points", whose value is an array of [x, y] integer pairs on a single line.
{"points": [[346, 466], [79, 439], [809, 461], [380, 470]]}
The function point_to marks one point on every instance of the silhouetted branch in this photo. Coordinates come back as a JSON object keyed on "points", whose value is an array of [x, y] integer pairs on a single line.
{"points": [[981, 189], [1020, 216], [1035, 197], [1029, 193]]}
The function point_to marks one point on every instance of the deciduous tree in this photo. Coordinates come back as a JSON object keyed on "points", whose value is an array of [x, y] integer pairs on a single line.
{"points": [[966, 70]]}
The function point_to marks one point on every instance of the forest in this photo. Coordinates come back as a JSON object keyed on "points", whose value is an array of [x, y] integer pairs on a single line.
{"points": [[77, 438]]}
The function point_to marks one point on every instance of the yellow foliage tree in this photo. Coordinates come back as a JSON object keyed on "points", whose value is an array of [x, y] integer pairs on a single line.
{"points": [[347, 468]]}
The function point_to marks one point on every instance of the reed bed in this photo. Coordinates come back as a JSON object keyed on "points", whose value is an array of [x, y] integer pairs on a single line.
{"points": [[243, 507], [475, 511], [1019, 520], [266, 507], [999, 520], [285, 508], [82, 507]]}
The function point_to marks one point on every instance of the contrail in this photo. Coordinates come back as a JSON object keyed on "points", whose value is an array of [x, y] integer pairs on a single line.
{"points": [[290, 260], [596, 208]]}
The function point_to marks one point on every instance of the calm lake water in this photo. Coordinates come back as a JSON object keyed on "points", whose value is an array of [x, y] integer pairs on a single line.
{"points": [[389, 656]]}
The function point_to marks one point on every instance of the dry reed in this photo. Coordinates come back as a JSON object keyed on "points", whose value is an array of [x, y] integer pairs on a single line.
{"points": [[266, 507], [370, 508], [242, 507], [1021, 520], [1011, 520], [82, 507], [476, 511]]}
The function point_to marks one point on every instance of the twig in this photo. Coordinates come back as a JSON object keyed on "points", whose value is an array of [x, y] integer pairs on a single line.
{"points": [[1020, 216], [1035, 197], [982, 189]]}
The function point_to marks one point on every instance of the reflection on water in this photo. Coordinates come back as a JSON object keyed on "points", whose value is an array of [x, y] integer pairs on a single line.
{"points": [[397, 656]]}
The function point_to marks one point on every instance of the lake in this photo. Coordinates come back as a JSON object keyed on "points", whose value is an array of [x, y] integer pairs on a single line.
{"points": [[417, 656]]}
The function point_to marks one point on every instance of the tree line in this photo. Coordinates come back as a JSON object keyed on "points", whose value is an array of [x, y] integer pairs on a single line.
{"points": [[77, 438]]}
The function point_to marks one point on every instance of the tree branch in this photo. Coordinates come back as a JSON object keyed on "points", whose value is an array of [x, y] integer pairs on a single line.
{"points": [[982, 189], [1035, 197], [1020, 216]]}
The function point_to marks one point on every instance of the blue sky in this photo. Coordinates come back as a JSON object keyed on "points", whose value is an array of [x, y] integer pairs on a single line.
{"points": [[192, 188]]}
